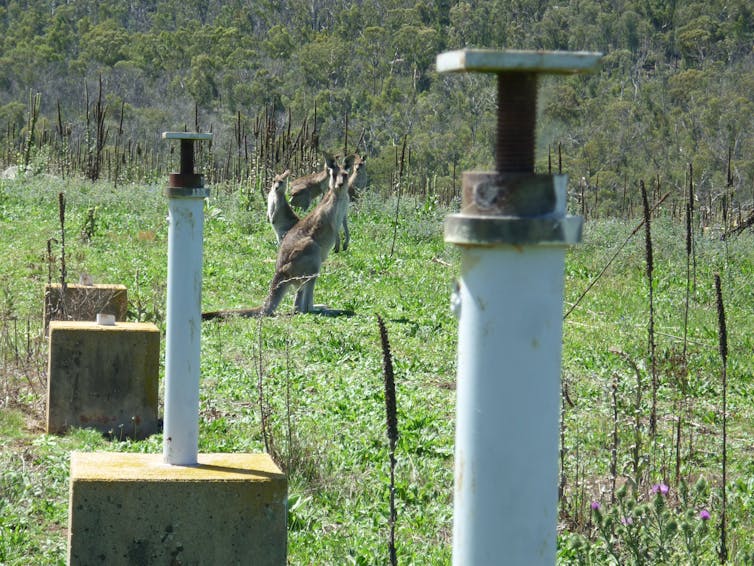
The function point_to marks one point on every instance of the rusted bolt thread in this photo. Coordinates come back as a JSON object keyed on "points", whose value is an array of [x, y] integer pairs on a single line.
{"points": [[516, 122], [187, 157]]}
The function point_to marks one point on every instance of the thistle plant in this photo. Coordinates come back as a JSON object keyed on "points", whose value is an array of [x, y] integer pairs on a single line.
{"points": [[694, 522], [654, 530]]}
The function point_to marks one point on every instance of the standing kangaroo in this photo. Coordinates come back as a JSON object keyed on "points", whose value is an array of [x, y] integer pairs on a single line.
{"points": [[303, 251], [279, 212], [358, 179], [355, 164]]}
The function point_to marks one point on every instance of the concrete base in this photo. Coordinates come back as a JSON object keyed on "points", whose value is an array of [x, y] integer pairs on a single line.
{"points": [[128, 509], [83, 302], [103, 377]]}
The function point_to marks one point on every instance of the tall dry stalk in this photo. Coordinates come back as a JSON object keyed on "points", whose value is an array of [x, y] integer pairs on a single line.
{"points": [[399, 183], [595, 210], [684, 355], [723, 338], [64, 143], [651, 332], [345, 134], [95, 140], [392, 429], [118, 142], [614, 439], [35, 101], [63, 271], [692, 199], [50, 259], [689, 251], [727, 195], [564, 399]]}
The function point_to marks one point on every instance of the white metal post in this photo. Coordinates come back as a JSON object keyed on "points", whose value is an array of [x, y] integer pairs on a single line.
{"points": [[184, 313], [513, 232], [507, 398]]}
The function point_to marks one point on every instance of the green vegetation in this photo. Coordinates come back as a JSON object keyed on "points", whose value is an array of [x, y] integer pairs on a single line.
{"points": [[322, 385]]}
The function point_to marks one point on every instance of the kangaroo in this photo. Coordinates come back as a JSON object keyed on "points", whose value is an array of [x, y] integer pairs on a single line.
{"points": [[355, 164], [358, 179], [304, 190], [279, 212], [303, 251]]}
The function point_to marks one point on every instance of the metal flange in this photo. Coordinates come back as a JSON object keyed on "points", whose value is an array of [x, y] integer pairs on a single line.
{"points": [[481, 231], [512, 205], [512, 209]]}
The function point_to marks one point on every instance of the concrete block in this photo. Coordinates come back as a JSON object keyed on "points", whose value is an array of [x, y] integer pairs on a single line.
{"points": [[103, 377], [128, 509], [83, 302]]}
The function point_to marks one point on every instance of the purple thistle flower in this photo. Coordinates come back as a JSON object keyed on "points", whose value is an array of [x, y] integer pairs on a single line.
{"points": [[596, 505], [704, 515], [627, 521], [660, 488]]}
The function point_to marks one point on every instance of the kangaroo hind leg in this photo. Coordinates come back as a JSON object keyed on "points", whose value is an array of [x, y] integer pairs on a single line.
{"points": [[346, 233], [305, 296]]}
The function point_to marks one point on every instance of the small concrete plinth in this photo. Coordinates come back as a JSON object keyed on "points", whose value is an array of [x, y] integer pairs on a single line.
{"points": [[103, 377], [84, 302], [130, 509]]}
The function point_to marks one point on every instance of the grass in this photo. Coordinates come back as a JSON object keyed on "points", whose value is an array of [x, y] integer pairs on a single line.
{"points": [[322, 377]]}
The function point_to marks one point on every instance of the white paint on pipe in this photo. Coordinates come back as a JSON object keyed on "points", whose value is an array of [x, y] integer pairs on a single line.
{"points": [[508, 391], [183, 335]]}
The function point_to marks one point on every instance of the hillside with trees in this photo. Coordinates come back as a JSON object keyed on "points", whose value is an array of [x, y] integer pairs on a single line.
{"points": [[101, 79]]}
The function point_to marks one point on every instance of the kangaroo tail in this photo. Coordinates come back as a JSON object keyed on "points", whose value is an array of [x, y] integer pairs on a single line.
{"points": [[278, 288], [230, 313]]}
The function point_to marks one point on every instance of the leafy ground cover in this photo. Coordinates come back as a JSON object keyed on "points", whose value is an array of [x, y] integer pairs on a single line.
{"points": [[322, 389]]}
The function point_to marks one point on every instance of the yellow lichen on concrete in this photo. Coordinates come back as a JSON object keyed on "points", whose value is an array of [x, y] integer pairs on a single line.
{"points": [[92, 326], [117, 466], [128, 509]]}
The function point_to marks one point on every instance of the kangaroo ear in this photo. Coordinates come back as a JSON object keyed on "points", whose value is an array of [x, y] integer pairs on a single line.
{"points": [[285, 174], [350, 161], [330, 161]]}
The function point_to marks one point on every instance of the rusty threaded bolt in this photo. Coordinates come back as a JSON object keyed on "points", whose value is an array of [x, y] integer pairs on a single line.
{"points": [[516, 122], [187, 156], [517, 83]]}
